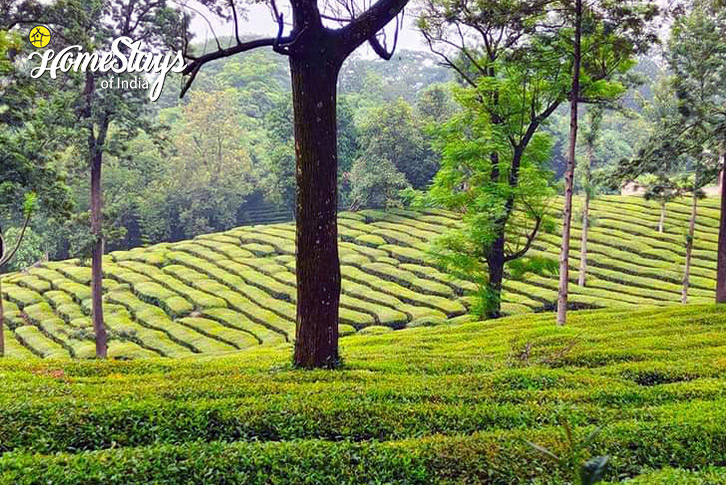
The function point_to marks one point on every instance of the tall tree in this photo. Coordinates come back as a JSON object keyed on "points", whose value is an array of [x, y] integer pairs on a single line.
{"points": [[604, 37], [470, 183], [570, 166], [94, 26], [684, 153], [208, 172], [494, 45], [697, 58], [594, 116], [317, 45]]}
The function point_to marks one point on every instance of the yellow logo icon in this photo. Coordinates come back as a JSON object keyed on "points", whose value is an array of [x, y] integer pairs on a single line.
{"points": [[39, 36]]}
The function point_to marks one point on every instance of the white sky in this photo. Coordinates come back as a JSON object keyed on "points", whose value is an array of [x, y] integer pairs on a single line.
{"points": [[259, 23]]}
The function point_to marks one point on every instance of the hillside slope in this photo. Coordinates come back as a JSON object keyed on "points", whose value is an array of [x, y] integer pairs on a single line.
{"points": [[452, 403], [235, 290]]}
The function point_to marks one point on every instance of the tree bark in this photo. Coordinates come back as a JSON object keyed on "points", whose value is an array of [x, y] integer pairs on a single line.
{"points": [[2, 319], [721, 251], [689, 248], [314, 80], [495, 265], [99, 327], [661, 221], [570, 171], [585, 218]]}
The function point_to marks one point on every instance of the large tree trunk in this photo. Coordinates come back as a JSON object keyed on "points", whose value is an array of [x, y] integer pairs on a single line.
{"points": [[661, 221], [689, 248], [314, 82], [99, 327], [585, 217], [570, 172], [721, 252]]}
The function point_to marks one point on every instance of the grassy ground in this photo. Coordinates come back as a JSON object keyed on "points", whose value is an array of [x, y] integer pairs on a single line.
{"points": [[452, 403], [221, 293]]}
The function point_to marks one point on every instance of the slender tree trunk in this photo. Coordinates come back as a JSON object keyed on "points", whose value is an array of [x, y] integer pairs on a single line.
{"points": [[495, 265], [585, 217], [570, 171], [2, 319], [689, 248], [99, 327], [721, 251], [661, 221], [314, 82], [95, 161]]}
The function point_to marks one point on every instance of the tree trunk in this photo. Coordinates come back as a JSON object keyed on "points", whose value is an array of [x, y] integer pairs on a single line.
{"points": [[97, 254], [2, 319], [570, 171], [495, 265], [661, 221], [689, 248], [585, 217], [314, 80], [721, 251]]}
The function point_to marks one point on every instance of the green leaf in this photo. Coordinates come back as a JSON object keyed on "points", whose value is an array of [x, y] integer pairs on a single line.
{"points": [[543, 450]]}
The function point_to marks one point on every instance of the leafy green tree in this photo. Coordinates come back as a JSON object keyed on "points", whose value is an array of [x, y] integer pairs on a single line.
{"points": [[697, 59], [106, 117], [392, 132], [375, 182], [500, 218], [514, 84], [209, 173]]}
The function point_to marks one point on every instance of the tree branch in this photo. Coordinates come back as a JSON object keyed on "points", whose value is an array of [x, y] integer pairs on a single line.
{"points": [[8, 257], [369, 22], [193, 67], [528, 244]]}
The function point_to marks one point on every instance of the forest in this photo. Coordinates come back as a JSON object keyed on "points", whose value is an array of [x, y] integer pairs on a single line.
{"points": [[320, 257]]}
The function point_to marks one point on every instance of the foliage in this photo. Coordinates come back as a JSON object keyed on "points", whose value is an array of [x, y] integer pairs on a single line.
{"points": [[209, 173], [477, 185], [375, 182], [658, 401], [585, 471], [392, 132], [681, 153]]}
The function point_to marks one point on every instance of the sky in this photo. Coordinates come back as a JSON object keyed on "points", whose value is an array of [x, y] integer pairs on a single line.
{"points": [[259, 23]]}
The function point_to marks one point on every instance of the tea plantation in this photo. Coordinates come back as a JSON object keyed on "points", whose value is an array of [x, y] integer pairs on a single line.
{"points": [[452, 403], [235, 290]]}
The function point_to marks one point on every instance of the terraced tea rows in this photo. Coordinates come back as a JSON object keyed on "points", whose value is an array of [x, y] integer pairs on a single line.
{"points": [[235, 290]]}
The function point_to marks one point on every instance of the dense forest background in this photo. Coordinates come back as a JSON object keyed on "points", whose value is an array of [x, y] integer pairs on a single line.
{"points": [[223, 156]]}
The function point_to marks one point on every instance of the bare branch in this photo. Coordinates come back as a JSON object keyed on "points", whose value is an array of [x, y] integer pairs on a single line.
{"points": [[209, 24], [193, 67], [379, 48], [369, 22], [236, 21]]}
